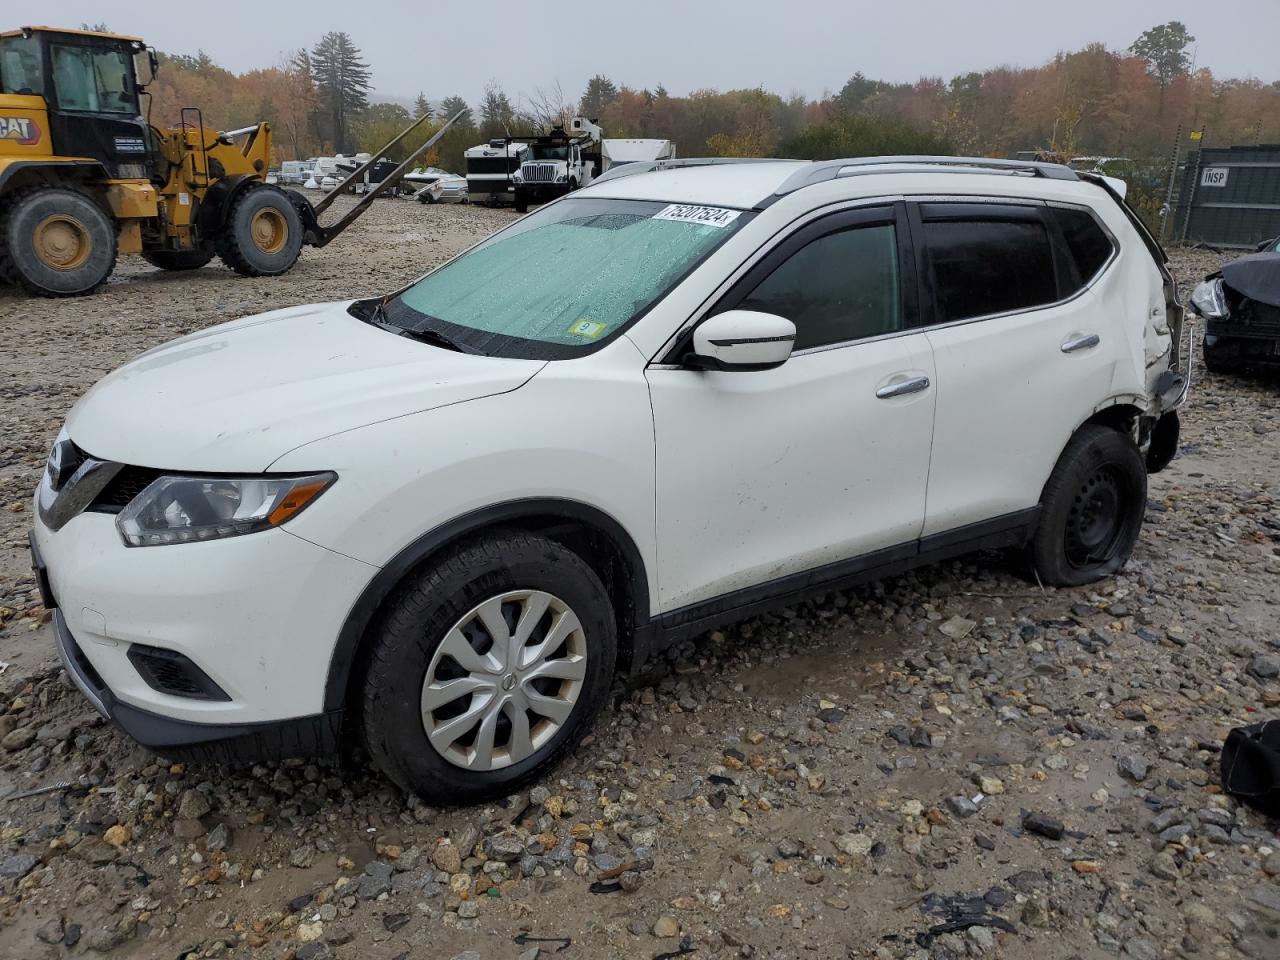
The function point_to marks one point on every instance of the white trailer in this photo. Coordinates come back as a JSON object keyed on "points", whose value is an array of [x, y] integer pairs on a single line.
{"points": [[615, 153]]}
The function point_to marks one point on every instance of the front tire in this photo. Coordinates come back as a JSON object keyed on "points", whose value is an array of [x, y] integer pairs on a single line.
{"points": [[262, 236], [56, 242], [1091, 510], [487, 668]]}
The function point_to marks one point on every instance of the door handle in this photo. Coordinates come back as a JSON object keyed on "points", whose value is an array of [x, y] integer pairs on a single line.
{"points": [[1081, 343], [900, 388]]}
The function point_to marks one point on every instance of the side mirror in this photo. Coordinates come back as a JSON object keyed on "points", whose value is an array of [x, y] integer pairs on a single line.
{"points": [[144, 66], [742, 340]]}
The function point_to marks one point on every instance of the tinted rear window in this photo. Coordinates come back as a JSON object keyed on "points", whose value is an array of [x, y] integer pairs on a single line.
{"points": [[982, 267], [1089, 244]]}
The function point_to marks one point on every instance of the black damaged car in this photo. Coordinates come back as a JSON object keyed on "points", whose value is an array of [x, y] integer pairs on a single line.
{"points": [[1241, 306]]}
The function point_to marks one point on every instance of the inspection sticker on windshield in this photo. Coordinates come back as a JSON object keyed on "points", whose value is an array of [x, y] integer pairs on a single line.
{"points": [[707, 216], [587, 328]]}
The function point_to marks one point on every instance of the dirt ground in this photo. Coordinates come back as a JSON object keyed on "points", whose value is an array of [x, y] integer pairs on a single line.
{"points": [[951, 763]]}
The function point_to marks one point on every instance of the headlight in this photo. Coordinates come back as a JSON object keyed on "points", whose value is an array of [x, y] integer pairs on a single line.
{"points": [[185, 509], [562, 178], [1209, 301]]}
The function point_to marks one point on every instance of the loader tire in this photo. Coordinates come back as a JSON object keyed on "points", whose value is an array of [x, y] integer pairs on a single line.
{"points": [[55, 242], [262, 235], [178, 259]]}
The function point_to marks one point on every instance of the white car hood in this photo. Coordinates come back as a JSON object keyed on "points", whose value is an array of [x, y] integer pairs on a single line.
{"points": [[237, 396]]}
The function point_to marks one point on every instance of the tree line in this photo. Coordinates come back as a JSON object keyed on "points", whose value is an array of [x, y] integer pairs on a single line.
{"points": [[1092, 101]]}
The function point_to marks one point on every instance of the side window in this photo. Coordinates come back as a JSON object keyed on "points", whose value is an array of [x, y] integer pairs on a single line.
{"points": [[20, 66], [985, 266], [1089, 244], [839, 287]]}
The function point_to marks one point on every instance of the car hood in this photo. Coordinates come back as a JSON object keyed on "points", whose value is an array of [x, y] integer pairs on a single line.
{"points": [[239, 395]]}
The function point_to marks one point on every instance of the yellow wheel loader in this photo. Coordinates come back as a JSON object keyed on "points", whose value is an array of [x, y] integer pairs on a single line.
{"points": [[84, 177]]}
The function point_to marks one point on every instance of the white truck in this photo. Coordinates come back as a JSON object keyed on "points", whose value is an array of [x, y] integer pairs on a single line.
{"points": [[615, 153], [558, 163], [490, 170]]}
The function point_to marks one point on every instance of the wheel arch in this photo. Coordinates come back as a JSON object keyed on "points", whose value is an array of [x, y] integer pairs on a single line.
{"points": [[217, 201], [17, 174], [590, 532]]}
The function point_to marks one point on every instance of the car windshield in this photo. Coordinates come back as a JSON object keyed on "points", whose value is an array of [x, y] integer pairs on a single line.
{"points": [[563, 280], [542, 151]]}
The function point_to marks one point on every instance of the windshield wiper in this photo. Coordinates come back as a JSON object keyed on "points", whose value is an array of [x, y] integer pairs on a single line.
{"points": [[375, 313], [433, 337]]}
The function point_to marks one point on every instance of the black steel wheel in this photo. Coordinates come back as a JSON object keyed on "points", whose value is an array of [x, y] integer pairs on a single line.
{"points": [[1091, 509]]}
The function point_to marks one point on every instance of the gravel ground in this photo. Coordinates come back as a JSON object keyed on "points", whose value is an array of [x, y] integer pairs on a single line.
{"points": [[951, 763]]}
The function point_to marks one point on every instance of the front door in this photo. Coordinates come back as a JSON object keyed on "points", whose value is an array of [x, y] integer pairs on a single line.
{"points": [[764, 475]]}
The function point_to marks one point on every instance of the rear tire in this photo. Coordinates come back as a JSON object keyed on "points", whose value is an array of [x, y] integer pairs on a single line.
{"points": [[177, 259], [56, 242], [1091, 510], [262, 236], [436, 612]]}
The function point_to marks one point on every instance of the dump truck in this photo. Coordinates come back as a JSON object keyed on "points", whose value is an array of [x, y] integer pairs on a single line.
{"points": [[85, 177]]}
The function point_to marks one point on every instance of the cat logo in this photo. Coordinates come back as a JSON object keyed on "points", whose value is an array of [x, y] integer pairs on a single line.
{"points": [[22, 129]]}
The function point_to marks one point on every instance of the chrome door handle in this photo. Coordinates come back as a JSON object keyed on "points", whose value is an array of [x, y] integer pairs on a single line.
{"points": [[901, 388], [1081, 343]]}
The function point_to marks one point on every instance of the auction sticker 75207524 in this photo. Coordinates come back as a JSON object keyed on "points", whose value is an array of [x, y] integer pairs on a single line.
{"points": [[689, 213]]}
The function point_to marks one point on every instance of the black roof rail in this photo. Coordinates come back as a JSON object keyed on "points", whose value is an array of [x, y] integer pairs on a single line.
{"points": [[823, 170]]}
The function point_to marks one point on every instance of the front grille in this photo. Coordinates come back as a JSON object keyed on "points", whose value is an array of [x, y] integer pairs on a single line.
{"points": [[124, 486], [539, 172], [168, 671]]}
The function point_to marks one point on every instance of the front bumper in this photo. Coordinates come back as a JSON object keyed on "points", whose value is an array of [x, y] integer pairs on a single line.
{"points": [[298, 737], [541, 192], [1221, 342], [257, 615]]}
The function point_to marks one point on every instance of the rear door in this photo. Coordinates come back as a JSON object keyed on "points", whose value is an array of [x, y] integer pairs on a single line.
{"points": [[1022, 351], [763, 475]]}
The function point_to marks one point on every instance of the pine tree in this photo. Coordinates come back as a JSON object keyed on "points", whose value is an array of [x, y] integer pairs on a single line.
{"points": [[343, 81], [449, 106], [496, 112], [421, 106], [601, 91]]}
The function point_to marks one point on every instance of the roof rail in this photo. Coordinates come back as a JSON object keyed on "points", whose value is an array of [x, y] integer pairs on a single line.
{"points": [[648, 166], [823, 170]]}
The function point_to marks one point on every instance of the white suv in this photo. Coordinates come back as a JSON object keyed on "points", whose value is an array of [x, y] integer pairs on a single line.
{"points": [[440, 520]]}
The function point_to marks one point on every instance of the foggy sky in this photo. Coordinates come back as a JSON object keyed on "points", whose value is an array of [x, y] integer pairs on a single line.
{"points": [[809, 47]]}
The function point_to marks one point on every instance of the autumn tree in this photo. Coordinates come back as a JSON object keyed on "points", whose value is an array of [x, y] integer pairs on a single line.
{"points": [[380, 123], [342, 79]]}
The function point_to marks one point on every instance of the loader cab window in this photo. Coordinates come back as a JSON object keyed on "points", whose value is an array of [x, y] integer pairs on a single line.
{"points": [[94, 80], [21, 67]]}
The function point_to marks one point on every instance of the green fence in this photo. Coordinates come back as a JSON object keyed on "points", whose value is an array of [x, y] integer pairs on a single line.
{"points": [[1228, 197]]}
